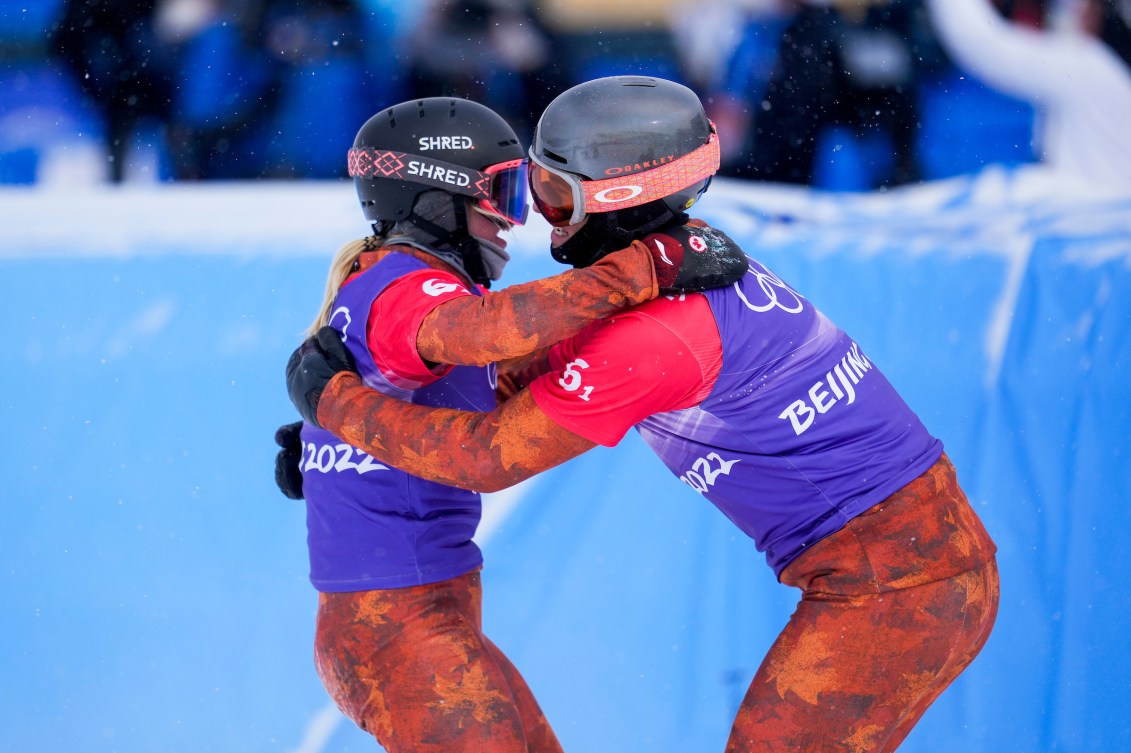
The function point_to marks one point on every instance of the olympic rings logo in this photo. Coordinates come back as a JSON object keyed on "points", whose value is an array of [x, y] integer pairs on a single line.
{"points": [[344, 311], [778, 294]]}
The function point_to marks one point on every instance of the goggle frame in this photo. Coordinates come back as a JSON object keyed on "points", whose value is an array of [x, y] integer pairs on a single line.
{"points": [[594, 196]]}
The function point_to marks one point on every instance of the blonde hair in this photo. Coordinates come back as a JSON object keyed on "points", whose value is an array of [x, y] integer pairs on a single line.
{"points": [[499, 220], [340, 268]]}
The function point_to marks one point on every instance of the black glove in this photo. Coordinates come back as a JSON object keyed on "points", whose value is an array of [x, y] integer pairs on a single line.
{"points": [[311, 368], [288, 463], [694, 257]]}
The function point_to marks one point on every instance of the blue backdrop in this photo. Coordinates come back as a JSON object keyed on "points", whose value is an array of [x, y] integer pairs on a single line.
{"points": [[155, 581]]}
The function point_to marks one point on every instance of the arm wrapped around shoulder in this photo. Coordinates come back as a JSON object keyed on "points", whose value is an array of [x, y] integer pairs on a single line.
{"points": [[521, 319], [693, 257], [483, 452]]}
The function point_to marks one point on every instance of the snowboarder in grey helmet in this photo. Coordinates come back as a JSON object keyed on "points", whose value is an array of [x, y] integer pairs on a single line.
{"points": [[420, 165], [629, 154]]}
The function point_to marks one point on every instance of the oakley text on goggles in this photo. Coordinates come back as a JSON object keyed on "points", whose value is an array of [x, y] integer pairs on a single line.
{"points": [[565, 199], [499, 189]]}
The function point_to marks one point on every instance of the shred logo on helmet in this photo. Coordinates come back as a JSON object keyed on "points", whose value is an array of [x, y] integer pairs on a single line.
{"points": [[621, 142], [445, 142], [472, 152]]}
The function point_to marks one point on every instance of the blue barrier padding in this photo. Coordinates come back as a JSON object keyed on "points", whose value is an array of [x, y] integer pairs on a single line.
{"points": [[155, 581]]}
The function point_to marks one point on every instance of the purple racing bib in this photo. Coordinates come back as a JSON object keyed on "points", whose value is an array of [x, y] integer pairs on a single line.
{"points": [[801, 432], [370, 526]]}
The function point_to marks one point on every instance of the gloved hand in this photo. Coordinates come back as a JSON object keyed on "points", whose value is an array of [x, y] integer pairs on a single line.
{"points": [[288, 463], [694, 257], [312, 366]]}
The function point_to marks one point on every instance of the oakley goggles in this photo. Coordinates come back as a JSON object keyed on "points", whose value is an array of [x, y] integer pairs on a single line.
{"points": [[565, 199], [500, 190]]}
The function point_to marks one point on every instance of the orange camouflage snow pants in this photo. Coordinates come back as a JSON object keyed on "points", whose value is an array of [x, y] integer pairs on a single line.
{"points": [[894, 606], [412, 667]]}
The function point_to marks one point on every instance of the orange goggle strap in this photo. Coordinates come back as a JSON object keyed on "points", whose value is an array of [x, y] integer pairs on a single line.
{"points": [[367, 162], [632, 190]]}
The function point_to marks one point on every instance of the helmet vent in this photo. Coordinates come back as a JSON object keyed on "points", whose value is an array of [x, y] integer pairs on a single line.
{"points": [[555, 157], [392, 120], [508, 142], [420, 108]]}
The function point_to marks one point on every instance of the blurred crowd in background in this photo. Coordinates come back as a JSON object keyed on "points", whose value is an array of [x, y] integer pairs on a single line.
{"points": [[838, 94]]}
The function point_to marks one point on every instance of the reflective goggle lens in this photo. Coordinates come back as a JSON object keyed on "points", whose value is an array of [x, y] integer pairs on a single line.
{"points": [[552, 194], [509, 181]]}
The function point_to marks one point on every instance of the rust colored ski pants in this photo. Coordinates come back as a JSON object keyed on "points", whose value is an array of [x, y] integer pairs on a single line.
{"points": [[893, 608], [413, 668]]}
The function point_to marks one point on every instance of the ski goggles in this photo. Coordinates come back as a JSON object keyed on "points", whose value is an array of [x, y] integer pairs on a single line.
{"points": [[565, 199], [500, 189]]}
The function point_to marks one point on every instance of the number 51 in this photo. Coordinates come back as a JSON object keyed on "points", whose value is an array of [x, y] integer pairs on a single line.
{"points": [[570, 379]]}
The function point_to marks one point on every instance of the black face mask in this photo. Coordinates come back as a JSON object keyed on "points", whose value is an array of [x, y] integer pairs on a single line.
{"points": [[438, 225], [606, 232]]}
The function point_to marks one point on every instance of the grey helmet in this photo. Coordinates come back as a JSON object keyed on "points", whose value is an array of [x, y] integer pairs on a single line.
{"points": [[631, 153], [649, 136]]}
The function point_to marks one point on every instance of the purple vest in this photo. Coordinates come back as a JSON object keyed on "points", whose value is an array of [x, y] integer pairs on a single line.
{"points": [[370, 526], [801, 432]]}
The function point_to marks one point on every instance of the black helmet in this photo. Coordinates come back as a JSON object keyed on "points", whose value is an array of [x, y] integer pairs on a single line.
{"points": [[621, 142], [454, 145]]}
